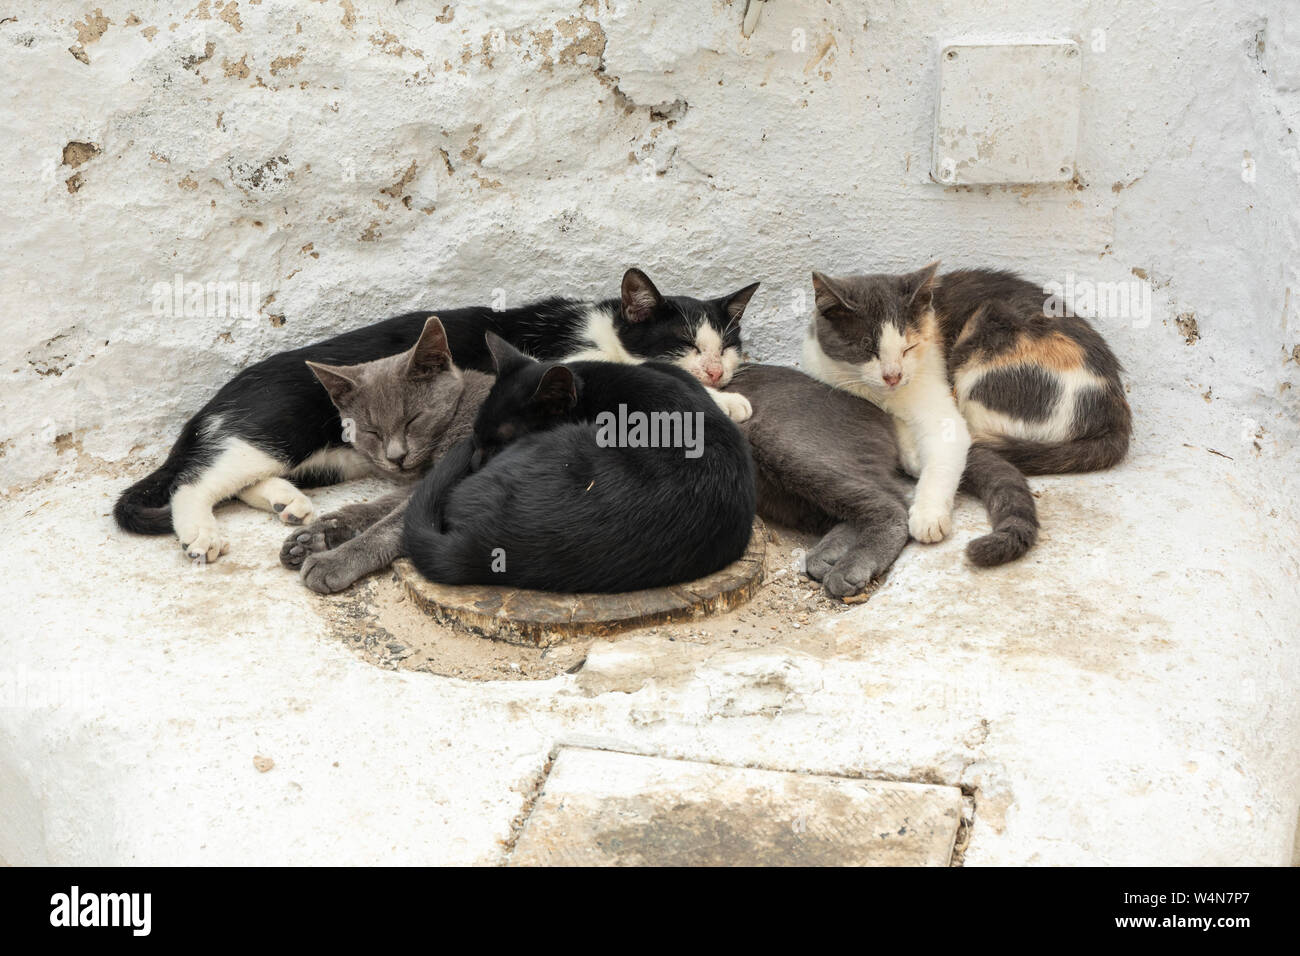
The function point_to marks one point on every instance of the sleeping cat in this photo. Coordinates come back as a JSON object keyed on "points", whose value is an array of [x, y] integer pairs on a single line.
{"points": [[969, 356], [827, 462], [422, 387], [273, 424], [539, 499]]}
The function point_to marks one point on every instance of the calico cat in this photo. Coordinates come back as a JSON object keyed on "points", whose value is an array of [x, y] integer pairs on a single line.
{"points": [[273, 424], [969, 356], [539, 499], [827, 462]]}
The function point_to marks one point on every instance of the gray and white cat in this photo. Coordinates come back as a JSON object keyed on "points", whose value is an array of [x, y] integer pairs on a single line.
{"points": [[969, 356]]}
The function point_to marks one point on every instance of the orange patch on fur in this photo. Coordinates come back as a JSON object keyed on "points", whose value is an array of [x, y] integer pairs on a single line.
{"points": [[1056, 351]]}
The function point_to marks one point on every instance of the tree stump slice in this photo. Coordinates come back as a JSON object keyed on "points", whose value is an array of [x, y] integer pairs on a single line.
{"points": [[545, 618]]}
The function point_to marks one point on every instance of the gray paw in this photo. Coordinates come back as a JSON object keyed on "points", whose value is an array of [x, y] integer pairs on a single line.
{"points": [[829, 550], [316, 537], [329, 573], [851, 574]]}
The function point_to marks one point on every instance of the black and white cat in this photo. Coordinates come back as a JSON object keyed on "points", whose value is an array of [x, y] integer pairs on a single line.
{"points": [[273, 424], [537, 499]]}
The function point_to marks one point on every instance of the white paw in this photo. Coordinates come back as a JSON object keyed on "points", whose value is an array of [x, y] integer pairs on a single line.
{"points": [[929, 522], [296, 510], [203, 543], [736, 406]]}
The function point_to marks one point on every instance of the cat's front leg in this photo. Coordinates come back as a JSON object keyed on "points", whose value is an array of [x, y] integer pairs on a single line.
{"points": [[942, 443], [328, 572], [335, 528], [734, 404], [909, 452]]}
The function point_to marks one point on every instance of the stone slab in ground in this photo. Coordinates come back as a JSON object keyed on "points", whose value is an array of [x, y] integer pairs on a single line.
{"points": [[603, 808]]}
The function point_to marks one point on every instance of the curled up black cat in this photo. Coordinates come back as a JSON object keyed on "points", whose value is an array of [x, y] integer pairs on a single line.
{"points": [[586, 476]]}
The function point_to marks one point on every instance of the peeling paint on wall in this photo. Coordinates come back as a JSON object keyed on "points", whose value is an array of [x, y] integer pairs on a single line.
{"points": [[355, 160]]}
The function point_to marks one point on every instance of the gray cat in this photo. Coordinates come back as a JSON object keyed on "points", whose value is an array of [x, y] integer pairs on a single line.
{"points": [[418, 398], [828, 462]]}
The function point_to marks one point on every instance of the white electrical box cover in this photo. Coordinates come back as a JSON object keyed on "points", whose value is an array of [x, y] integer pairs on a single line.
{"points": [[1007, 112]]}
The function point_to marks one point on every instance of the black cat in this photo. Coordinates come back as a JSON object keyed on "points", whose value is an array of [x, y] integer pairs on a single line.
{"points": [[586, 476]]}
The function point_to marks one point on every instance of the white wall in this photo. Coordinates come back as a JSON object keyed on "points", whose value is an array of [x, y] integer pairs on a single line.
{"points": [[424, 163]]}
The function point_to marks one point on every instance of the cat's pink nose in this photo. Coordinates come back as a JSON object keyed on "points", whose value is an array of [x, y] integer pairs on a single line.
{"points": [[714, 372], [892, 378]]}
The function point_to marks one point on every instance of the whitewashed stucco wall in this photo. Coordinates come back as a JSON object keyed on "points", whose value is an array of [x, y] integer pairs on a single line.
{"points": [[352, 159]]}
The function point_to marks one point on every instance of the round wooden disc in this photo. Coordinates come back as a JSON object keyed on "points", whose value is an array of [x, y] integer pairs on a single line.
{"points": [[545, 618]]}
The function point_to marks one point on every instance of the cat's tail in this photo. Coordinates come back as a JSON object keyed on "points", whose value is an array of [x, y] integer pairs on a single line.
{"points": [[1102, 449], [146, 507], [424, 541], [1005, 493]]}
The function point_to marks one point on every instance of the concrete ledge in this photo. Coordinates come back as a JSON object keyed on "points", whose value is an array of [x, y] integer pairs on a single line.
{"points": [[1124, 695]]}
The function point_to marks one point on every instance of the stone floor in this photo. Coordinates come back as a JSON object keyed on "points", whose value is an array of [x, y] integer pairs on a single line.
{"points": [[1123, 695]]}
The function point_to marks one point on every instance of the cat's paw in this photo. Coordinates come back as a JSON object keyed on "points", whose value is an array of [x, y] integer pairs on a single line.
{"points": [[833, 546], [322, 535], [851, 574], [203, 543], [296, 510], [330, 572], [735, 405], [929, 522]]}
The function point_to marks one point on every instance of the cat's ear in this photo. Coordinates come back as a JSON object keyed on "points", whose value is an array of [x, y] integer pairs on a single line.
{"points": [[431, 354], [919, 285], [337, 380], [736, 302], [505, 357], [829, 299], [556, 393], [640, 297]]}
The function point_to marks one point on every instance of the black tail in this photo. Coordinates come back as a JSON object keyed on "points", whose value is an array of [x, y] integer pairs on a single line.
{"points": [[423, 538], [1006, 495], [146, 507], [1088, 453]]}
